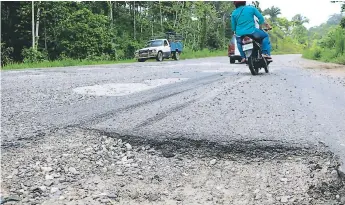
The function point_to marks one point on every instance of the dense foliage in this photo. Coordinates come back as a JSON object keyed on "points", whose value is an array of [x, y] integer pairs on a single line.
{"points": [[107, 29], [327, 41], [113, 30]]}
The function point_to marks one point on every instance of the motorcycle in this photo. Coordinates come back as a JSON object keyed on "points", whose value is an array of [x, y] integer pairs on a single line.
{"points": [[255, 60]]}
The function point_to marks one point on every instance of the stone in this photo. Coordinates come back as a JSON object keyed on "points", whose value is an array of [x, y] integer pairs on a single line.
{"points": [[124, 159], [56, 175], [54, 190], [48, 183], [99, 163], [257, 196], [283, 179], [72, 170], [112, 196], [49, 177], [119, 142], [128, 146], [342, 200], [43, 188], [284, 199], [334, 174], [213, 162], [337, 197], [15, 172]]}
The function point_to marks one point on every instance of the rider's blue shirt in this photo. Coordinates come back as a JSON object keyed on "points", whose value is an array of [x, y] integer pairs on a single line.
{"points": [[242, 20]]}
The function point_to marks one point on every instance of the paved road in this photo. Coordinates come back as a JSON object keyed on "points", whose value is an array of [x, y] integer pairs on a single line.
{"points": [[199, 99]]}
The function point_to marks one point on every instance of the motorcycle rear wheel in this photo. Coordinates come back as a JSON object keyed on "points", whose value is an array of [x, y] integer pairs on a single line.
{"points": [[251, 64]]}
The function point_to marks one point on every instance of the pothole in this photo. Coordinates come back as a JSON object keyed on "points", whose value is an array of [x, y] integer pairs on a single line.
{"points": [[77, 166], [121, 89]]}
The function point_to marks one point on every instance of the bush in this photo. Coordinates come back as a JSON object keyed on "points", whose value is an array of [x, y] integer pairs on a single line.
{"points": [[103, 57], [6, 55], [342, 23], [328, 55], [31, 55], [85, 35], [314, 53], [340, 59], [119, 54]]}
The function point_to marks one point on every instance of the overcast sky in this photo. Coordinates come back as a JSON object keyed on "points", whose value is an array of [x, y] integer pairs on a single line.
{"points": [[317, 11]]}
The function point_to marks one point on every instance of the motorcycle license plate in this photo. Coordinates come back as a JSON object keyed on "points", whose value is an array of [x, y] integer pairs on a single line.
{"points": [[248, 47]]}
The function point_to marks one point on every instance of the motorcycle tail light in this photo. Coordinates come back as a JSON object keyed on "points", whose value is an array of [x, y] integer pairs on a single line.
{"points": [[247, 40]]}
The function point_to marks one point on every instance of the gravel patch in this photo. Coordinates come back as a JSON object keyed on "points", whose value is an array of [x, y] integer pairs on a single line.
{"points": [[76, 166]]}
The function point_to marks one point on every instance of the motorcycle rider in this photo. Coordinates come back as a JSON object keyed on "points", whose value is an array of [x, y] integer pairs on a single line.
{"points": [[243, 23]]}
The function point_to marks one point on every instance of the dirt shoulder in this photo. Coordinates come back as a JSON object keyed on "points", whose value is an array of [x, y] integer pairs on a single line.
{"points": [[330, 69]]}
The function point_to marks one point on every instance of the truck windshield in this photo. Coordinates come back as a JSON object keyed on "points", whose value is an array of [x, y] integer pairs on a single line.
{"points": [[155, 43]]}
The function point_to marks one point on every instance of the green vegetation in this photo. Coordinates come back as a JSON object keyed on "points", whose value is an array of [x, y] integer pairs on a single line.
{"points": [[72, 62], [78, 33], [61, 63], [61, 33], [327, 41]]}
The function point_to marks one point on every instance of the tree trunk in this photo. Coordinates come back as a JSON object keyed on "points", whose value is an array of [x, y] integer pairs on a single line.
{"points": [[110, 5], [37, 25], [33, 24], [160, 11], [134, 20], [152, 22], [45, 37], [175, 17]]}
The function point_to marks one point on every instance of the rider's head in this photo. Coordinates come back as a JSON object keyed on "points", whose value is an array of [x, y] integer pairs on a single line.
{"points": [[239, 3]]}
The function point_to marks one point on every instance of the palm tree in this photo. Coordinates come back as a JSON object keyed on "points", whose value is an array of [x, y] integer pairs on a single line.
{"points": [[273, 12], [299, 20]]}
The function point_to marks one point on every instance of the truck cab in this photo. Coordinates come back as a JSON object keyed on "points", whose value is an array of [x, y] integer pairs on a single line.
{"points": [[160, 49]]}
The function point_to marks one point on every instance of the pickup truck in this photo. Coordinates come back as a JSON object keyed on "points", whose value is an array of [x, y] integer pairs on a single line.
{"points": [[160, 49]]}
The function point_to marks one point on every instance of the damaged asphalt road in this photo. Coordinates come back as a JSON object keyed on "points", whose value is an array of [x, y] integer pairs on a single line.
{"points": [[200, 100]]}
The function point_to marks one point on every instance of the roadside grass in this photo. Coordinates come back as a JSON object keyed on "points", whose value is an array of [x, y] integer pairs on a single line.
{"points": [[328, 56], [203, 53], [284, 52], [61, 63], [187, 54]]}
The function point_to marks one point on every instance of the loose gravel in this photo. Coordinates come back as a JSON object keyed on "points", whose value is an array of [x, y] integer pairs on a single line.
{"points": [[75, 166]]}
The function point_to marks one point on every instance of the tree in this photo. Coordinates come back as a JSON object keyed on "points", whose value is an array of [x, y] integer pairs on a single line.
{"points": [[273, 12], [342, 23], [334, 19], [299, 20], [300, 33], [85, 35]]}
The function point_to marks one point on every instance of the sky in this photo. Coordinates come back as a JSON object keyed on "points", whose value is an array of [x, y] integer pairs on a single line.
{"points": [[317, 11]]}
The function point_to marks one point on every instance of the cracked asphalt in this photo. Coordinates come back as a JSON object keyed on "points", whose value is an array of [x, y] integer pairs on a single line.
{"points": [[216, 102]]}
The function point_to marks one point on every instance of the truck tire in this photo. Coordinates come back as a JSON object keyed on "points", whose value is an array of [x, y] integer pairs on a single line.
{"points": [[232, 61], [159, 56], [141, 60], [176, 55]]}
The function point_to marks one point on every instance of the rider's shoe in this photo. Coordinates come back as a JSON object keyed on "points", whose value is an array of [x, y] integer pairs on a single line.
{"points": [[243, 61], [268, 58]]}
